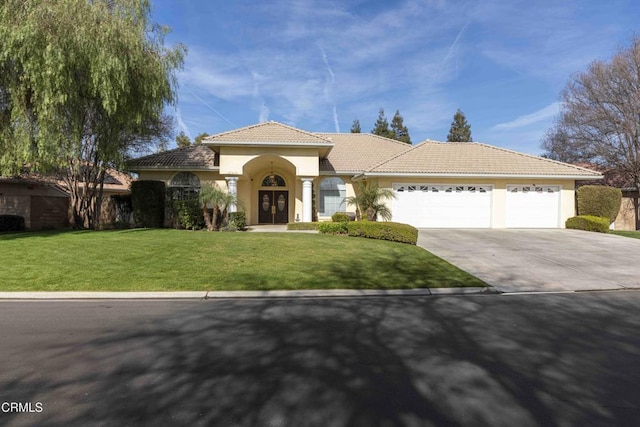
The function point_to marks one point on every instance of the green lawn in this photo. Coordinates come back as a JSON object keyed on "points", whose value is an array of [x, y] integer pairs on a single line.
{"points": [[165, 260], [633, 234]]}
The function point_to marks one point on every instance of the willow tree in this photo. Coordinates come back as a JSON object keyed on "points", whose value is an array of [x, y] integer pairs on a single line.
{"points": [[83, 83]]}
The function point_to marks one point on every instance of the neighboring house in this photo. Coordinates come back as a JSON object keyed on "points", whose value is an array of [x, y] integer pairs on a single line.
{"points": [[277, 170], [44, 201], [627, 218]]}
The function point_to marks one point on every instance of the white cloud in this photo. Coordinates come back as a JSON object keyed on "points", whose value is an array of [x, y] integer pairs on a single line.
{"points": [[543, 114]]}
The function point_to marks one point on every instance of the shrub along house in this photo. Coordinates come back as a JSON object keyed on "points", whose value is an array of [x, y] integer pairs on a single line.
{"points": [[282, 174]]}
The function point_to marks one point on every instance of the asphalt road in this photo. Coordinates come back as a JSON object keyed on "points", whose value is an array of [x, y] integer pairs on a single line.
{"points": [[527, 360]]}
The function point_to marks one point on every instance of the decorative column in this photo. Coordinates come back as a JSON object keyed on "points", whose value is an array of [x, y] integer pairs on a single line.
{"points": [[306, 199], [232, 184]]}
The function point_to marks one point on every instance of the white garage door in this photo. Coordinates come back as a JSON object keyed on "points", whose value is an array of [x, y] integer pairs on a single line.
{"points": [[443, 206], [531, 206]]}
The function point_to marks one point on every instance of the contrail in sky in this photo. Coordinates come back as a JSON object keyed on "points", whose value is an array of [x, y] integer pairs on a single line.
{"points": [[210, 107], [327, 93]]}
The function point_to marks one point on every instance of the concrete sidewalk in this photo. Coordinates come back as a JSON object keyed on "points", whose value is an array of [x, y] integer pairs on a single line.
{"points": [[323, 293]]}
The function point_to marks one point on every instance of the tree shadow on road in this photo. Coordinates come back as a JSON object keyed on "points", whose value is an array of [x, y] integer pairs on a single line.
{"points": [[346, 362]]}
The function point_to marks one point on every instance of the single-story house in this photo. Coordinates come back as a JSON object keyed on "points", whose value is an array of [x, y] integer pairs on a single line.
{"points": [[43, 201], [282, 174]]}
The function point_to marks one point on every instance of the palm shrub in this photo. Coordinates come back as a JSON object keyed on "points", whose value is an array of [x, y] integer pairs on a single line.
{"points": [[215, 202], [370, 199]]}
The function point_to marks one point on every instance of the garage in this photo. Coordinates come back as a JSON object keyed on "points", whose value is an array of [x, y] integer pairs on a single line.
{"points": [[533, 206], [443, 205]]}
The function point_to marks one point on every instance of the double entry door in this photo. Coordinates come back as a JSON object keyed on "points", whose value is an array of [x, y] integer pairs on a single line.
{"points": [[273, 207]]}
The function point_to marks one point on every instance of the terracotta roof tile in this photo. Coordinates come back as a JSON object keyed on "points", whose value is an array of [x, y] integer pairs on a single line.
{"points": [[194, 156], [267, 132], [357, 152], [473, 158]]}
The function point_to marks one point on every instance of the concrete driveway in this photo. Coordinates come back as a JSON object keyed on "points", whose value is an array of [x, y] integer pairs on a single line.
{"points": [[540, 260]]}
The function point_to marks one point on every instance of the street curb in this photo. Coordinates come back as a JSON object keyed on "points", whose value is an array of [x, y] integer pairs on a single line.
{"points": [[323, 293]]}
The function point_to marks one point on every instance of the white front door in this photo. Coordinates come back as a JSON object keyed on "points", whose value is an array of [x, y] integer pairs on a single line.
{"points": [[443, 205]]}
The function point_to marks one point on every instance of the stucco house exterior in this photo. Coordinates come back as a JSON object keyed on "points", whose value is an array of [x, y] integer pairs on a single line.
{"points": [[281, 174]]}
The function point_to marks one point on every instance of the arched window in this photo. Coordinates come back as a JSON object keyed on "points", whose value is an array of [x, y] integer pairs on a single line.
{"points": [[333, 193], [273, 180], [185, 185]]}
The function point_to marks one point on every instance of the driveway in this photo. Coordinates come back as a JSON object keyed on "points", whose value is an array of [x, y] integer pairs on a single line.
{"points": [[540, 260]]}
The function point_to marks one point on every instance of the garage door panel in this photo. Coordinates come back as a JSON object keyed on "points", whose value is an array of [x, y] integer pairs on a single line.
{"points": [[443, 206], [533, 206]]}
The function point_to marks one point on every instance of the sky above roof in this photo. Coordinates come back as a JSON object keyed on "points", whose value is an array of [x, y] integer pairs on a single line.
{"points": [[319, 64]]}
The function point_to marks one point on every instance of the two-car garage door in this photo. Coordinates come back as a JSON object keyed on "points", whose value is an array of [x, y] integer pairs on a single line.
{"points": [[471, 206]]}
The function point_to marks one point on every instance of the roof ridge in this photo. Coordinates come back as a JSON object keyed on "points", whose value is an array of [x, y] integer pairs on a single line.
{"points": [[412, 147], [367, 134]]}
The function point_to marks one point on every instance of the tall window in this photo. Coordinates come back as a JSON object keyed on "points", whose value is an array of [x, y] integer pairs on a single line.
{"points": [[333, 192], [184, 185]]}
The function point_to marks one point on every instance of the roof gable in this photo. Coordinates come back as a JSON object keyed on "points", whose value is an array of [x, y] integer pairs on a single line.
{"points": [[267, 132]]}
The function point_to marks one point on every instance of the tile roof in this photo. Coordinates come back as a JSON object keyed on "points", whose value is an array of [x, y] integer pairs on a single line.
{"points": [[473, 158], [268, 132], [194, 156], [357, 152]]}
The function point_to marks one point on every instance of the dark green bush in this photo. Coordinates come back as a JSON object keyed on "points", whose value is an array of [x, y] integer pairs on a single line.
{"points": [[588, 223], [147, 199], [599, 200], [340, 217], [11, 223], [333, 228], [188, 214], [238, 219], [393, 231], [303, 225]]}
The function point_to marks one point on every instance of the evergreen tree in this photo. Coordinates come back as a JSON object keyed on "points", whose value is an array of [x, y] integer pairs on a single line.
{"points": [[355, 127], [183, 140], [460, 130], [381, 127], [398, 129]]}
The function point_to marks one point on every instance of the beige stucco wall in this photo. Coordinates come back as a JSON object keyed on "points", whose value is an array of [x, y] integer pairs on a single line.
{"points": [[499, 193], [233, 160]]}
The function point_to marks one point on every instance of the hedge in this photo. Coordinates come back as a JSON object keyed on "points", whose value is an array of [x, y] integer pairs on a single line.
{"points": [[599, 200], [303, 225], [333, 228], [147, 199], [588, 223], [392, 231], [12, 223]]}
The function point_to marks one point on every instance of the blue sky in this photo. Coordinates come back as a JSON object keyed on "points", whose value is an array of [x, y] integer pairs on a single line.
{"points": [[317, 65]]}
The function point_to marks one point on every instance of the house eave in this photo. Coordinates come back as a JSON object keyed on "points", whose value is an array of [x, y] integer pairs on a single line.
{"points": [[474, 175], [173, 168]]}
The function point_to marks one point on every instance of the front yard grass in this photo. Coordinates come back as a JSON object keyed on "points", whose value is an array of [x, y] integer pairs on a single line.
{"points": [[633, 234], [174, 260]]}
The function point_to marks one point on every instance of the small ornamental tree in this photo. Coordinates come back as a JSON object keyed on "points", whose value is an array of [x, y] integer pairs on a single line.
{"points": [[370, 199]]}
